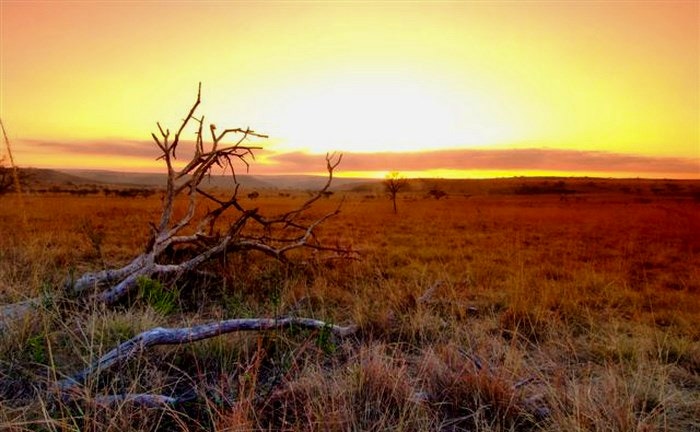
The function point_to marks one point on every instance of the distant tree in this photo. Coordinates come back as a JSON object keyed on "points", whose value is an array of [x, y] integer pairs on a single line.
{"points": [[254, 195], [437, 193], [394, 183]]}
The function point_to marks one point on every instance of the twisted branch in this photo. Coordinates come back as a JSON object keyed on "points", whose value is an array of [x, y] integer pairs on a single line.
{"points": [[208, 238]]}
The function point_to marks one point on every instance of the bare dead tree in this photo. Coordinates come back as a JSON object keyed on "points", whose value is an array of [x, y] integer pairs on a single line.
{"points": [[207, 236], [393, 184], [225, 227]]}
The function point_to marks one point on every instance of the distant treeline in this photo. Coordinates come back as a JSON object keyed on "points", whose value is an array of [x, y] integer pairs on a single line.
{"points": [[118, 192], [524, 186], [662, 188], [417, 188], [546, 187]]}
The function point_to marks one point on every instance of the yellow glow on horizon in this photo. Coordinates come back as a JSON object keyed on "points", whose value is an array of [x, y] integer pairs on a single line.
{"points": [[620, 77], [489, 174]]}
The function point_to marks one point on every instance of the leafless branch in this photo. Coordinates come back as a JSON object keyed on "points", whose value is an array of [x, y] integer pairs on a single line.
{"points": [[143, 399], [228, 227], [177, 336], [208, 235]]}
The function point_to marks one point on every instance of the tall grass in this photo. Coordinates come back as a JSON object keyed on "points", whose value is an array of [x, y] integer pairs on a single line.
{"points": [[485, 313]]}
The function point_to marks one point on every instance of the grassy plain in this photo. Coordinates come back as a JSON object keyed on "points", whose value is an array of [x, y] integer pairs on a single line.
{"points": [[496, 308]]}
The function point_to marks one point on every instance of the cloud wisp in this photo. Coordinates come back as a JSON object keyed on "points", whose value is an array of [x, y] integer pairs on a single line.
{"points": [[95, 148], [143, 154], [529, 159]]}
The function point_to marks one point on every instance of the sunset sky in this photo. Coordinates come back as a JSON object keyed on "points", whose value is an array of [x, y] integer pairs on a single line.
{"points": [[446, 89]]}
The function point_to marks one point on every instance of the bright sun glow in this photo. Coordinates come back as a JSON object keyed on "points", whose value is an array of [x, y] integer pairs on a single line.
{"points": [[381, 112]]}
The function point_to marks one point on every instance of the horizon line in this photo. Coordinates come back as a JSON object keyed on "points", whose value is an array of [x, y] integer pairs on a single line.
{"points": [[541, 175]]}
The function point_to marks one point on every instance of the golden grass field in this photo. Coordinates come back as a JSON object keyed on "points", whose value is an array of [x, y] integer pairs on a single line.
{"points": [[477, 312]]}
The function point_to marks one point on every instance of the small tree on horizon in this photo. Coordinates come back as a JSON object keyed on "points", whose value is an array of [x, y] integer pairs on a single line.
{"points": [[394, 183], [437, 193]]}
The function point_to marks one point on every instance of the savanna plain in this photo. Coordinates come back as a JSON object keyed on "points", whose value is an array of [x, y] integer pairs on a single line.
{"points": [[515, 304]]}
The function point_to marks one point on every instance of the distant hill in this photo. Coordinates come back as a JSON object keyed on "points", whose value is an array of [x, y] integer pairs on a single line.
{"points": [[49, 180], [296, 182], [156, 179], [40, 177], [117, 178]]}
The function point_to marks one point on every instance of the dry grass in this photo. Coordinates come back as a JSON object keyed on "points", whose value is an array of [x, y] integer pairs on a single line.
{"points": [[490, 313]]}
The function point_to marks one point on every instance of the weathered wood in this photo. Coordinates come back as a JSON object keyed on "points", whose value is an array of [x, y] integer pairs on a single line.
{"points": [[91, 280], [143, 399], [16, 311], [182, 335]]}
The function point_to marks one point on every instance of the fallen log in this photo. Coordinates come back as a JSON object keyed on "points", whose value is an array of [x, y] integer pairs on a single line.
{"points": [[181, 335]]}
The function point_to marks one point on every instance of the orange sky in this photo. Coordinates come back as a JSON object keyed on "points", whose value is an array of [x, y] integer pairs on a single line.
{"points": [[444, 89]]}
